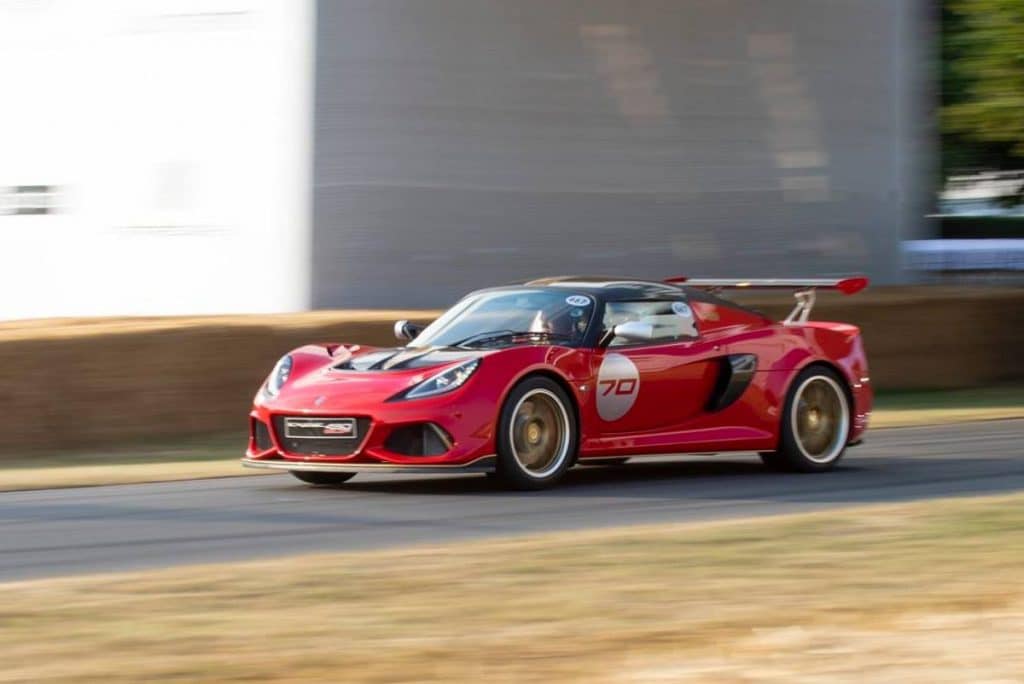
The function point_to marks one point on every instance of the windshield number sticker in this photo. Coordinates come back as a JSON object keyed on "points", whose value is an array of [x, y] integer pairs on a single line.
{"points": [[577, 300], [682, 309]]}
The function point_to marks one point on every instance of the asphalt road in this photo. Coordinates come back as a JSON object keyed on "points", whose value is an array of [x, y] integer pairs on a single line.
{"points": [[69, 531]]}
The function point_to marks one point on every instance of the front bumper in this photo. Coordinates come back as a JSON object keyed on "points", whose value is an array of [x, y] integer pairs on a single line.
{"points": [[461, 436], [484, 464]]}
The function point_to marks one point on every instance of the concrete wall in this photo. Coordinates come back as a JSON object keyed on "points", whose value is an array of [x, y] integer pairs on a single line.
{"points": [[460, 143]]}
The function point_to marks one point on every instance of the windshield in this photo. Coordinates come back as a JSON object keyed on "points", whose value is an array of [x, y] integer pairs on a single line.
{"points": [[509, 317]]}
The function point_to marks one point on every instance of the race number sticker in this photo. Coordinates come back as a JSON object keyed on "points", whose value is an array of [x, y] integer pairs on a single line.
{"points": [[688, 324], [618, 383], [577, 300]]}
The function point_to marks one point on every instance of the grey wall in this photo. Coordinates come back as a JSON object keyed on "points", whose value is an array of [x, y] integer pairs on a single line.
{"points": [[463, 143]]}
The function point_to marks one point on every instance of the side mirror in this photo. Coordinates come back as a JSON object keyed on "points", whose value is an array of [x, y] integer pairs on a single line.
{"points": [[404, 330], [633, 331]]}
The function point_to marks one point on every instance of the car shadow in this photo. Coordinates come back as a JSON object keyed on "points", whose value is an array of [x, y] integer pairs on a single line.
{"points": [[735, 477]]}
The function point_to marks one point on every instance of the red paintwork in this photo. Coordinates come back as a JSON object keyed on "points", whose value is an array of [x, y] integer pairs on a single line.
{"points": [[662, 420]]}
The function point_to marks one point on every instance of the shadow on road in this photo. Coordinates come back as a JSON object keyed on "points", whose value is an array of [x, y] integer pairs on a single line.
{"points": [[854, 481]]}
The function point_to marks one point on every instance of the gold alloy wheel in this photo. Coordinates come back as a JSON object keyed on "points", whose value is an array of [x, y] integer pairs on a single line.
{"points": [[539, 433], [821, 419]]}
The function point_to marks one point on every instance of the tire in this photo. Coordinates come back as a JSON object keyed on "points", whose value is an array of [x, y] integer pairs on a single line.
{"points": [[815, 423], [322, 479], [537, 435]]}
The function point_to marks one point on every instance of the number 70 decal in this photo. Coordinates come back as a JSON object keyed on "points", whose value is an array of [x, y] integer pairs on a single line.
{"points": [[618, 385]]}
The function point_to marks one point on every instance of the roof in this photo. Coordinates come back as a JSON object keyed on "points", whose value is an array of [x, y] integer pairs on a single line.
{"points": [[611, 288], [618, 289]]}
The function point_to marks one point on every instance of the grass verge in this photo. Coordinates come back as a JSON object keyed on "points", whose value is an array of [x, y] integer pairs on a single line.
{"points": [[190, 458], [923, 592], [906, 409], [217, 456]]}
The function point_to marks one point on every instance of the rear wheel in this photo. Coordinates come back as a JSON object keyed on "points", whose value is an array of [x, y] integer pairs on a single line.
{"points": [[815, 424], [322, 479], [536, 435]]}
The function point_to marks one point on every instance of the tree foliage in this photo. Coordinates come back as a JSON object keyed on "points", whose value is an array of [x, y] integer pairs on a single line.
{"points": [[983, 84]]}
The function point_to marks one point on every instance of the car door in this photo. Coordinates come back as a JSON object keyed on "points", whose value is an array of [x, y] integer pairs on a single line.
{"points": [[656, 385]]}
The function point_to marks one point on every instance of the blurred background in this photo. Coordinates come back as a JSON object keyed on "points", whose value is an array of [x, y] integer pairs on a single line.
{"points": [[190, 188], [312, 159], [222, 156]]}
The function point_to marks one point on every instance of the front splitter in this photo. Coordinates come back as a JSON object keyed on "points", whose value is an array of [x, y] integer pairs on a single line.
{"points": [[485, 464]]}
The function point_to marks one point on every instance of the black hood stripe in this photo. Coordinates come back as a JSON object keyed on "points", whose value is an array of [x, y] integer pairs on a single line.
{"points": [[404, 358]]}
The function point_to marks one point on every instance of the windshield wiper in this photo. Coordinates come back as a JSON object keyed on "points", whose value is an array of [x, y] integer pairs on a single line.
{"points": [[494, 335]]}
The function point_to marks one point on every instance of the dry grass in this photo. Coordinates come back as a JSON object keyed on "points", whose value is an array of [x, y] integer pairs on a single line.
{"points": [[905, 409], [185, 459], [926, 592], [66, 328], [940, 416], [133, 473]]}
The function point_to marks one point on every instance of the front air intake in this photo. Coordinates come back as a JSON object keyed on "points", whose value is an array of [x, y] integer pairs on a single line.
{"points": [[261, 433], [420, 439]]}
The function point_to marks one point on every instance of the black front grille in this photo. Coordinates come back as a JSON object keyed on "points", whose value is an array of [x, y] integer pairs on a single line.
{"points": [[262, 434], [325, 446]]}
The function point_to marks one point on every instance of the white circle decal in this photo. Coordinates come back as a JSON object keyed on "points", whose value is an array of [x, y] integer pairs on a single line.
{"points": [[577, 300], [618, 384], [682, 309]]}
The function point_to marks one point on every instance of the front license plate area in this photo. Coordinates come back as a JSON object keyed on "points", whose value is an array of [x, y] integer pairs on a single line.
{"points": [[320, 428]]}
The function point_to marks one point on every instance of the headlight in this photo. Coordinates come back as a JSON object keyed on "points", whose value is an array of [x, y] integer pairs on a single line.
{"points": [[279, 376], [445, 381]]}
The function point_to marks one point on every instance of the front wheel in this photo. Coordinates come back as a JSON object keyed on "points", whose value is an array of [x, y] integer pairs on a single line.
{"points": [[322, 479], [815, 424], [536, 435]]}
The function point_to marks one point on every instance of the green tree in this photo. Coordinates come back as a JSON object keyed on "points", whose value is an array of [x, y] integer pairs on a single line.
{"points": [[983, 84]]}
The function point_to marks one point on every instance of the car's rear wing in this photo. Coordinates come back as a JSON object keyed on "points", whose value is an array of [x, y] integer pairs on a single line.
{"points": [[803, 289]]}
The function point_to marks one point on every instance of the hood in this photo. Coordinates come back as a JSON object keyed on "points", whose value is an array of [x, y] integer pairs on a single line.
{"points": [[357, 379], [406, 358]]}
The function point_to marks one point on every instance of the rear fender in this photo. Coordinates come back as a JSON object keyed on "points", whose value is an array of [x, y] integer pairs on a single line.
{"points": [[839, 346]]}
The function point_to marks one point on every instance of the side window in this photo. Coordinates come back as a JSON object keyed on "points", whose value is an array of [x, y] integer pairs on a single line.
{"points": [[672, 320]]}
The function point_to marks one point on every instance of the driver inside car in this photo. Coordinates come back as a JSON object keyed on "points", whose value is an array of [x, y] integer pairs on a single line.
{"points": [[569, 323]]}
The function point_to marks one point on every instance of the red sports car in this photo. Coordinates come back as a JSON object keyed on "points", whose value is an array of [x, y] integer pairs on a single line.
{"points": [[525, 381]]}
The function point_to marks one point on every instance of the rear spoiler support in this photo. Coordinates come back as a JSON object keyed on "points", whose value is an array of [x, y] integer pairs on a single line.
{"points": [[803, 289], [802, 309]]}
